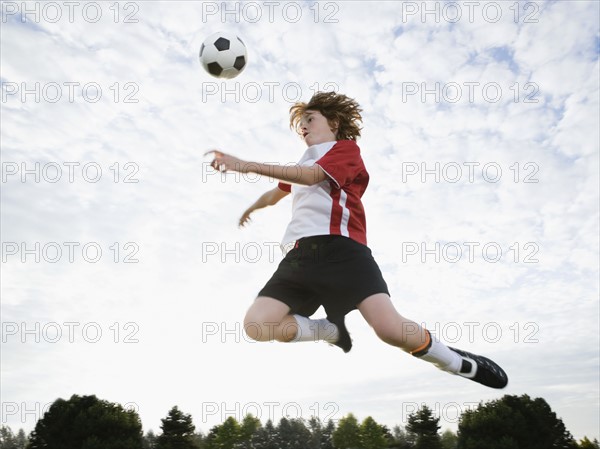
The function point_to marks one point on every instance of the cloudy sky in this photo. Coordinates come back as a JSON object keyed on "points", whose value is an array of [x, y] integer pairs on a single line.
{"points": [[124, 274]]}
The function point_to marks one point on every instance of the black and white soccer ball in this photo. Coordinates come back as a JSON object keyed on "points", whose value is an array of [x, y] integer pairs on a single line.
{"points": [[223, 55]]}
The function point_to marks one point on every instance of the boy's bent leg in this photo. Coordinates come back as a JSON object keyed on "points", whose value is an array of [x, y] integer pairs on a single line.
{"points": [[268, 319], [390, 326], [398, 331]]}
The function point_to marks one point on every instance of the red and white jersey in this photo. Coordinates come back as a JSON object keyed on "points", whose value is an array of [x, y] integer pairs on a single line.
{"points": [[332, 206]]}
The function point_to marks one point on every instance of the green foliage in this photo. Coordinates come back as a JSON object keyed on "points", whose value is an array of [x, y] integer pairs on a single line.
{"points": [[350, 435], [149, 440], [400, 439], [320, 435], [233, 435], [177, 431], [249, 427], [316, 433], [587, 444], [423, 428], [292, 434], [266, 437], [224, 436], [8, 440], [372, 435], [449, 440], [327, 435], [513, 422], [87, 423], [347, 434]]}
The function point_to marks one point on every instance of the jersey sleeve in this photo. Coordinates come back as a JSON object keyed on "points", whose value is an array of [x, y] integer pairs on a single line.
{"points": [[342, 163], [285, 187]]}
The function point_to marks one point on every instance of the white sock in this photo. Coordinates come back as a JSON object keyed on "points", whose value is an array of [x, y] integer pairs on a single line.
{"points": [[313, 330], [441, 356]]}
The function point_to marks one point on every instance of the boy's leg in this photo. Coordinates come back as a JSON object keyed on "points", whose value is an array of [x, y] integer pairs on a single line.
{"points": [[405, 334], [398, 331], [270, 319]]}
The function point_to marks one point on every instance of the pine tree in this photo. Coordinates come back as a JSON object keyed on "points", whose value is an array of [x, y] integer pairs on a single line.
{"points": [[327, 435], [424, 429], [266, 437], [587, 444], [177, 431], [7, 439], [227, 435], [347, 434], [292, 434], [449, 440], [21, 439], [150, 440], [199, 440], [400, 438], [249, 427], [372, 435], [316, 433]]}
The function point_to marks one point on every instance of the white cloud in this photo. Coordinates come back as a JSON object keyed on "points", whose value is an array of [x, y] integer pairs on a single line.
{"points": [[179, 211]]}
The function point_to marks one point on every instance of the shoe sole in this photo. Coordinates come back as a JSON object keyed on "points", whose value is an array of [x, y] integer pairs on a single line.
{"points": [[488, 372]]}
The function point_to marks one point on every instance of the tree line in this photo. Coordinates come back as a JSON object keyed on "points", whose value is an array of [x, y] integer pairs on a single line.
{"points": [[86, 422]]}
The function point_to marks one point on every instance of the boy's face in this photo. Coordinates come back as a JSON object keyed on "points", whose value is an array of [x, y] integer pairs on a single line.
{"points": [[315, 129]]}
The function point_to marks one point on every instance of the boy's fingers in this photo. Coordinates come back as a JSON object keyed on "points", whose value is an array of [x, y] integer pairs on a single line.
{"points": [[215, 152]]}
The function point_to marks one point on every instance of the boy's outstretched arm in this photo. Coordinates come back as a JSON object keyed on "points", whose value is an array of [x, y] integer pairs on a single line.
{"points": [[291, 174], [268, 198]]}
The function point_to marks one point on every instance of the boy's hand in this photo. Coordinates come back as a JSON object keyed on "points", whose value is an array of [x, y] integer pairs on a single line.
{"points": [[245, 218], [224, 162]]}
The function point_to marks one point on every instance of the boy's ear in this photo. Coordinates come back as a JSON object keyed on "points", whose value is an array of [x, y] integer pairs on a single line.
{"points": [[334, 125]]}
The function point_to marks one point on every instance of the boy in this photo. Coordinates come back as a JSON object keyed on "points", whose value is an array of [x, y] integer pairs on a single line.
{"points": [[328, 262]]}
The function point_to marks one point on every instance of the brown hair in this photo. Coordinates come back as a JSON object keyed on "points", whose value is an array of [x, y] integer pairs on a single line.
{"points": [[335, 108]]}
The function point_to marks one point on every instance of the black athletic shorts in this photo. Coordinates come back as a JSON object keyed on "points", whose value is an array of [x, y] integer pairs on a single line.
{"points": [[332, 271]]}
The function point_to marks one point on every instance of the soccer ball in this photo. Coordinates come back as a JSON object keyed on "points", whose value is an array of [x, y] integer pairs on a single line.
{"points": [[223, 55]]}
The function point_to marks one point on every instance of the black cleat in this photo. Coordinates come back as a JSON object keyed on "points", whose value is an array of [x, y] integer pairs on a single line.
{"points": [[481, 369], [344, 340]]}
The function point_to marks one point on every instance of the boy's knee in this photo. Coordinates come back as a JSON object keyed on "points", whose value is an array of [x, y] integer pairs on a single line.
{"points": [[389, 331], [251, 327], [259, 326], [386, 334]]}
